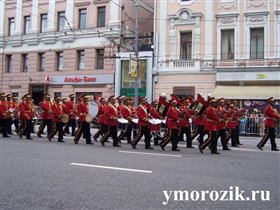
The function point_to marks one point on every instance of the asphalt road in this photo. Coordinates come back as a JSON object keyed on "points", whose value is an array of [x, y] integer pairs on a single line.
{"points": [[37, 174]]}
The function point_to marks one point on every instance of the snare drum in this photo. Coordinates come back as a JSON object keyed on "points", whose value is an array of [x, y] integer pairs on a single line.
{"points": [[135, 120], [89, 118], [122, 121], [155, 121], [64, 118]]}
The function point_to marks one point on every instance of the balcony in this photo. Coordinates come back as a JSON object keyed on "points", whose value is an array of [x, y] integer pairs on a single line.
{"points": [[179, 66]]}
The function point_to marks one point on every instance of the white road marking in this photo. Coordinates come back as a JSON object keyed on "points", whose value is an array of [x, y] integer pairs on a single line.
{"points": [[111, 168], [155, 154]]}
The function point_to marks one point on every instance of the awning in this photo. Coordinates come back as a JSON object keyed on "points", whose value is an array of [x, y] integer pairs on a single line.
{"points": [[246, 92]]}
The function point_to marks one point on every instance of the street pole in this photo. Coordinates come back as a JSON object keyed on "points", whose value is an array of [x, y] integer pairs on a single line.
{"points": [[136, 49]]}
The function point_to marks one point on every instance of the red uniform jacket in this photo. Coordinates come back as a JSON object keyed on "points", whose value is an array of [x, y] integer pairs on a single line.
{"points": [[185, 120], [154, 114], [271, 116], [199, 120], [172, 118], [126, 113], [69, 109], [82, 110], [57, 112], [212, 119], [232, 119], [222, 114], [142, 114], [46, 110], [111, 113], [101, 112], [3, 110], [20, 108], [27, 111]]}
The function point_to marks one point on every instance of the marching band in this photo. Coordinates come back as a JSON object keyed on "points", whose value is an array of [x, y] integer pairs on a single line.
{"points": [[212, 118]]}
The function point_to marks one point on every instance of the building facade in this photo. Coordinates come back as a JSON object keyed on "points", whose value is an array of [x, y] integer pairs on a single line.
{"points": [[226, 48], [63, 46]]}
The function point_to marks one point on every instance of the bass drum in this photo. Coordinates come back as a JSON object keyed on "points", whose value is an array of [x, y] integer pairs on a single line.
{"points": [[89, 118], [64, 118], [92, 108]]}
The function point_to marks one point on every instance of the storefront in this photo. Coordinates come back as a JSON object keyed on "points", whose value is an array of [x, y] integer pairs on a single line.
{"points": [[95, 85], [124, 83]]}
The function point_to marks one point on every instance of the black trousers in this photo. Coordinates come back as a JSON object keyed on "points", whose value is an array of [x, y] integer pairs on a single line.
{"points": [[45, 122], [21, 126], [222, 134], [84, 129], [269, 134], [26, 129], [72, 123], [112, 132], [102, 130], [143, 130], [58, 128], [5, 127], [9, 126], [187, 131], [173, 137], [201, 132], [210, 141], [127, 133], [233, 137], [15, 122]]}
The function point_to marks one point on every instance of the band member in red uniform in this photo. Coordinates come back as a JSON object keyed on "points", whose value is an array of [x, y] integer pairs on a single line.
{"points": [[70, 109], [46, 115], [84, 127], [57, 113], [237, 113], [172, 125], [10, 108], [270, 123], [155, 128], [28, 114], [211, 121], [101, 119], [134, 115], [111, 113], [126, 113], [231, 125], [64, 108], [221, 125], [14, 106], [21, 118], [142, 115], [184, 123], [4, 115]]}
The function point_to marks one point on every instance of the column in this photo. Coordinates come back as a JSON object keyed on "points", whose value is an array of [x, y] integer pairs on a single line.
{"points": [[69, 14], [114, 12], [162, 31], [2, 18], [34, 17], [51, 15], [18, 20], [209, 30]]}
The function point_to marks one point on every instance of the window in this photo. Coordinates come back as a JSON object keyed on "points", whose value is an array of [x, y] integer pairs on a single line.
{"points": [[44, 20], [11, 28], [60, 21], [100, 58], [25, 63], [81, 60], [101, 16], [257, 43], [59, 58], [26, 24], [227, 44], [57, 94], [9, 61], [82, 18], [186, 45], [41, 61]]}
